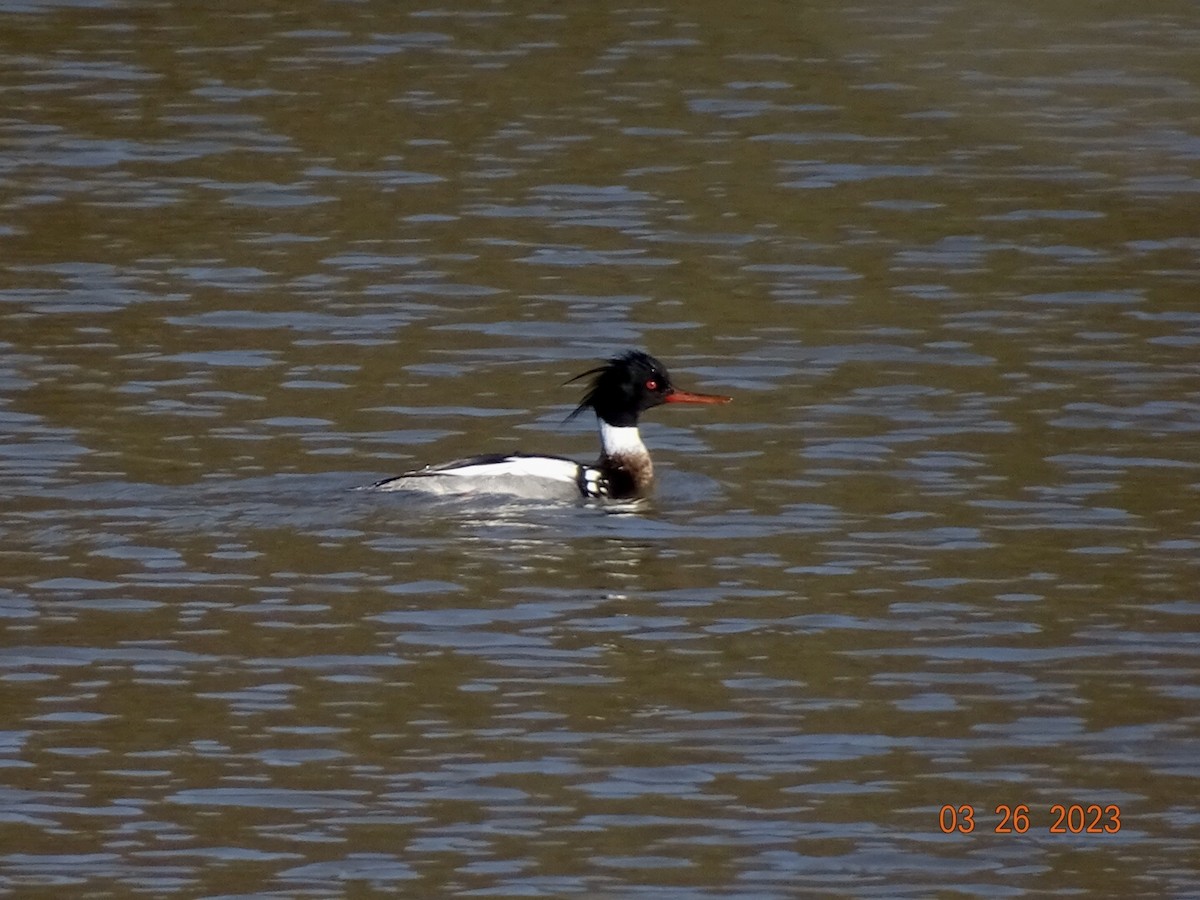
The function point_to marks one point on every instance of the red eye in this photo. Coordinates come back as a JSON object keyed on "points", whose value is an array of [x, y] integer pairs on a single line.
{"points": [[652, 385]]}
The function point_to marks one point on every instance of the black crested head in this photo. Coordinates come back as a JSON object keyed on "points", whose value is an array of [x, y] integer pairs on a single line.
{"points": [[624, 387]]}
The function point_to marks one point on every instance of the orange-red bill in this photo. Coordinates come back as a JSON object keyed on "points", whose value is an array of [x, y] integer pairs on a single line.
{"points": [[685, 397]]}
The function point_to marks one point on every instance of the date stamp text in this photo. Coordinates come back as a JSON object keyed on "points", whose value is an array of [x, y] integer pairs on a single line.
{"points": [[1063, 818]]}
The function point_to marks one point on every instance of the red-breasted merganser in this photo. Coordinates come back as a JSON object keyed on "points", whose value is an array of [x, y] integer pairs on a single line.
{"points": [[624, 388]]}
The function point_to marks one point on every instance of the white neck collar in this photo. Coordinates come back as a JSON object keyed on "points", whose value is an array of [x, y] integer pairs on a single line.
{"points": [[621, 441]]}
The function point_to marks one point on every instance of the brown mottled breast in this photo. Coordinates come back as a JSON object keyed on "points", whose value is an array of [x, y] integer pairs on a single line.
{"points": [[627, 475]]}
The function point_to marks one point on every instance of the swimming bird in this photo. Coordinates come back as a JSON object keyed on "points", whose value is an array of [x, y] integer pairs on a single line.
{"points": [[620, 391]]}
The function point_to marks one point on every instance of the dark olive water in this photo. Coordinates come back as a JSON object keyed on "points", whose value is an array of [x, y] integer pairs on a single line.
{"points": [[942, 550]]}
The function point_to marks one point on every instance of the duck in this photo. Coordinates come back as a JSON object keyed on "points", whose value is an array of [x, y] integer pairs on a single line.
{"points": [[621, 389]]}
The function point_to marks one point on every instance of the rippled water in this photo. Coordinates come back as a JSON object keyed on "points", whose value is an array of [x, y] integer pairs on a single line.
{"points": [[941, 550]]}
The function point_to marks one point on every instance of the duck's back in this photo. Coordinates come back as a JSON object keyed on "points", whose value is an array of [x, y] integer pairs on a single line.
{"points": [[516, 474]]}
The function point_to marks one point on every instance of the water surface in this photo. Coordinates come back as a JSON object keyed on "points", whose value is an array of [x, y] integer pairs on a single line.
{"points": [[941, 550]]}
